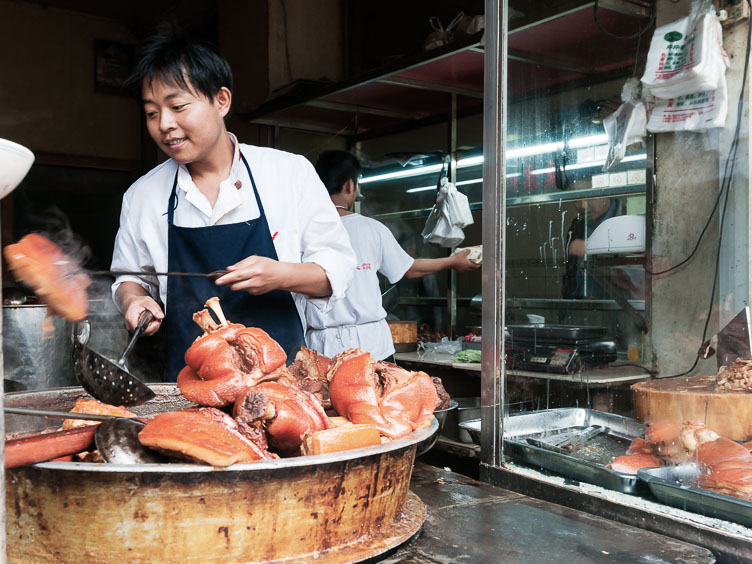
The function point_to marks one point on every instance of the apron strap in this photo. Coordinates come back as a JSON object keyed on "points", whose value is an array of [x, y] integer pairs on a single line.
{"points": [[172, 202]]}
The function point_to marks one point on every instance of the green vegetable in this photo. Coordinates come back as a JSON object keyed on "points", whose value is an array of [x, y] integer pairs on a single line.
{"points": [[470, 355]]}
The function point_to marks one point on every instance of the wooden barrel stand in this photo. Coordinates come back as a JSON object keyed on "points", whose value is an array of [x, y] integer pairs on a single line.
{"points": [[694, 398]]}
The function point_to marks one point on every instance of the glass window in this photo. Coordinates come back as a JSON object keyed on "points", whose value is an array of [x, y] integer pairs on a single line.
{"points": [[616, 276]]}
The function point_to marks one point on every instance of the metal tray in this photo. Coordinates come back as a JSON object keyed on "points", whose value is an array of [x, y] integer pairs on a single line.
{"points": [[586, 464], [674, 486]]}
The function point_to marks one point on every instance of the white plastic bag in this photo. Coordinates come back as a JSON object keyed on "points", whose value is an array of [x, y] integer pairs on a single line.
{"points": [[458, 205], [686, 56], [445, 346], [439, 228], [441, 35], [625, 127], [692, 112], [449, 215]]}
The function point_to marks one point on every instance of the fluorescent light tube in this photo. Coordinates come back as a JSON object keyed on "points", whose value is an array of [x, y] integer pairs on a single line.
{"points": [[417, 171], [589, 165], [512, 153]]}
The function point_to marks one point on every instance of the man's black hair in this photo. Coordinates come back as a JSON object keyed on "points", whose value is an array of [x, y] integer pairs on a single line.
{"points": [[177, 59], [337, 167]]}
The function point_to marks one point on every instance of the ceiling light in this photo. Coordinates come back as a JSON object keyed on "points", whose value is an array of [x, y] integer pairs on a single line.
{"points": [[591, 164], [511, 153], [401, 174]]}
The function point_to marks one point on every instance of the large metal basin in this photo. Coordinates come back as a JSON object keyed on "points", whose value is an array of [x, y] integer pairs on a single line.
{"points": [[334, 508], [35, 357]]}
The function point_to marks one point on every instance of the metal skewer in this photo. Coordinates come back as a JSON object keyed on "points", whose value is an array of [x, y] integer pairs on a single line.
{"points": [[211, 275], [61, 414]]}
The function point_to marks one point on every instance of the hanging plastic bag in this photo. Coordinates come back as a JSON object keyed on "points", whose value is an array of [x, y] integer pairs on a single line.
{"points": [[625, 127], [441, 35], [458, 206], [692, 112], [686, 56], [449, 215], [439, 228]]}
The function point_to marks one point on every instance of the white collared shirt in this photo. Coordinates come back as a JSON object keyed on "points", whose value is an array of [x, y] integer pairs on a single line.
{"points": [[303, 222], [359, 320]]}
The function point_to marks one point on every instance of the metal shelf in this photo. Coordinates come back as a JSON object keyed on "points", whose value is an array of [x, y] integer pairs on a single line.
{"points": [[529, 303], [438, 301], [569, 195], [518, 201], [581, 304], [414, 91]]}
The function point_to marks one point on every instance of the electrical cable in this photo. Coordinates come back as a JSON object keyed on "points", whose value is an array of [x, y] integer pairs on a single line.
{"points": [[625, 37], [287, 40], [725, 185], [699, 239]]}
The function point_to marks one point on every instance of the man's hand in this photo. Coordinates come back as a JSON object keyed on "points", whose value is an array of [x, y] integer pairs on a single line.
{"points": [[260, 275], [256, 275], [136, 306], [461, 263], [577, 248]]}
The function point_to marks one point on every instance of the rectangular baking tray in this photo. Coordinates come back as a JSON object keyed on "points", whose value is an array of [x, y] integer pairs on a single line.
{"points": [[674, 486], [585, 464]]}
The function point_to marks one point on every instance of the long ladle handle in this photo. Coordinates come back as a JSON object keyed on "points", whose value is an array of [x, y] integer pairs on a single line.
{"points": [[211, 275], [145, 318], [60, 414]]}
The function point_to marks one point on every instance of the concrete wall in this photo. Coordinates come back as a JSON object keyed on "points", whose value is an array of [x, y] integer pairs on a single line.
{"points": [[306, 41], [689, 168], [47, 97]]}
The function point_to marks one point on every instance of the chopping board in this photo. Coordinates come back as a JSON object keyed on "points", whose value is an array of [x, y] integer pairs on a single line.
{"points": [[404, 335], [694, 398]]}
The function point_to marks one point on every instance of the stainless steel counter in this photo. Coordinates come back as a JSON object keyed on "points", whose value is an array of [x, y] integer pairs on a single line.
{"points": [[471, 521], [613, 373]]}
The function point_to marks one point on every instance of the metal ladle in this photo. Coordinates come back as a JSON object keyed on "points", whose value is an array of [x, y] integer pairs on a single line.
{"points": [[116, 438], [117, 442]]}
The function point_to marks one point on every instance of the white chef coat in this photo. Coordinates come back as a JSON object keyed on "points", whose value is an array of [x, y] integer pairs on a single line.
{"points": [[303, 223], [359, 320]]}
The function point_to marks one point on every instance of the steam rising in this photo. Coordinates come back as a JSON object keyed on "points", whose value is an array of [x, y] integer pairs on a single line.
{"points": [[108, 333]]}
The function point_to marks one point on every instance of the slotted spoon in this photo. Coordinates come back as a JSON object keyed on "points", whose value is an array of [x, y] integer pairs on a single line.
{"points": [[111, 382]]}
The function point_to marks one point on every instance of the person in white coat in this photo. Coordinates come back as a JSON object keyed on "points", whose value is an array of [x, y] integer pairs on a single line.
{"points": [[217, 204], [359, 320]]}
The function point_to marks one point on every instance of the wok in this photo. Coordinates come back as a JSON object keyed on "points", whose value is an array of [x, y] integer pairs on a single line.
{"points": [[340, 507]]}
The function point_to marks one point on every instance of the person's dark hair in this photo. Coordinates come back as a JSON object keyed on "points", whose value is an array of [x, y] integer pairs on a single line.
{"points": [[337, 167], [177, 59]]}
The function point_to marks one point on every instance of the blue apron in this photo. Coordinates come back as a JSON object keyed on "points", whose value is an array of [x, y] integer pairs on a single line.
{"points": [[206, 249]]}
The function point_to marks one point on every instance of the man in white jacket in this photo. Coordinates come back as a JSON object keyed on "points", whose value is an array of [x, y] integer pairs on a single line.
{"points": [[359, 320], [217, 204]]}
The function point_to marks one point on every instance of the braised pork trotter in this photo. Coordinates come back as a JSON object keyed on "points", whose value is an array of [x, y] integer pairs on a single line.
{"points": [[201, 435]]}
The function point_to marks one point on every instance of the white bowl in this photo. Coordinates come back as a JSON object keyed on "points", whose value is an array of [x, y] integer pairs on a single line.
{"points": [[15, 162]]}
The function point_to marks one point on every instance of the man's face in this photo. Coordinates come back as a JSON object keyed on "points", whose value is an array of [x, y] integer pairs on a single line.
{"points": [[595, 208], [183, 123]]}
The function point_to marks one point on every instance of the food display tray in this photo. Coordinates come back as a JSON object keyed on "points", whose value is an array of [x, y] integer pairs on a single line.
{"points": [[587, 461], [675, 486]]}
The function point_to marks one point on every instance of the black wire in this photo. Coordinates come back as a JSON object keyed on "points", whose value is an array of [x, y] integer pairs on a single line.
{"points": [[699, 239], [614, 36], [725, 185], [645, 368]]}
